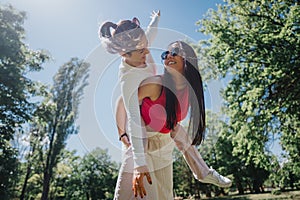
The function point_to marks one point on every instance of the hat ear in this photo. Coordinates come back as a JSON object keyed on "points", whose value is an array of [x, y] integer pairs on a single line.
{"points": [[136, 21]]}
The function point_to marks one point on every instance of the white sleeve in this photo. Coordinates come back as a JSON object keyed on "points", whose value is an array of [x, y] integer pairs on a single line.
{"points": [[151, 31], [129, 88]]}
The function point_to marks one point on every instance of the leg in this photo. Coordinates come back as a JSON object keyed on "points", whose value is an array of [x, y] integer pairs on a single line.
{"points": [[190, 153], [123, 188], [124, 182], [160, 149], [196, 163]]}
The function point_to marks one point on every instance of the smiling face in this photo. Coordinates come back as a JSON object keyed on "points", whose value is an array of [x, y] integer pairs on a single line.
{"points": [[173, 59], [137, 58]]}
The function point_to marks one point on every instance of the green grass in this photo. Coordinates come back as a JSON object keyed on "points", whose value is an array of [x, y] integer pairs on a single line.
{"points": [[295, 195]]}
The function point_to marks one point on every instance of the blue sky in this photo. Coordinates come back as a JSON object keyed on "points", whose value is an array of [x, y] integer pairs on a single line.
{"points": [[68, 28]]}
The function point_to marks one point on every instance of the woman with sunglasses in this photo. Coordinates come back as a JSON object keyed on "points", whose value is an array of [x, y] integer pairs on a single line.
{"points": [[166, 100], [159, 158]]}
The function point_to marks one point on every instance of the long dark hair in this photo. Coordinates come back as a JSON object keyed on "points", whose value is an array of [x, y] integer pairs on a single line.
{"points": [[196, 94]]}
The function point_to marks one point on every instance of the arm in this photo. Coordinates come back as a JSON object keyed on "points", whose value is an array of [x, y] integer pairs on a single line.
{"points": [[151, 88], [190, 153], [121, 119], [129, 88], [151, 33]]}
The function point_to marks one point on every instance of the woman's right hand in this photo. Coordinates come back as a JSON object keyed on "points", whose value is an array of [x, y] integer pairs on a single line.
{"points": [[126, 141], [138, 181]]}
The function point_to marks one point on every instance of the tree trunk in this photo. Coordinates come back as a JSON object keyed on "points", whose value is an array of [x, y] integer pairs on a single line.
{"points": [[49, 166], [256, 186], [239, 187], [207, 192], [25, 182], [28, 171], [87, 195], [46, 185], [291, 182]]}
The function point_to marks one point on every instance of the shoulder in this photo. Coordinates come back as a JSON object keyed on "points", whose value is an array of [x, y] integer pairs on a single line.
{"points": [[153, 80], [150, 87]]}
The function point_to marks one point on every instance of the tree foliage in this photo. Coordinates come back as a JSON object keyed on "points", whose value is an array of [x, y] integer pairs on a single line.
{"points": [[92, 176], [256, 45], [16, 89], [98, 175], [183, 179], [62, 104]]}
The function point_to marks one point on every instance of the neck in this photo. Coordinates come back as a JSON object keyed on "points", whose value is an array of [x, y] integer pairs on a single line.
{"points": [[180, 82], [135, 64]]}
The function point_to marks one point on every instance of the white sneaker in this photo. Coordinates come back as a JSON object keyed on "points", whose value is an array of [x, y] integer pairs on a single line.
{"points": [[215, 178]]}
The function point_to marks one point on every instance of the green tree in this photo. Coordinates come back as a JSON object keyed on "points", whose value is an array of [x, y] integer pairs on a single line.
{"points": [[32, 160], [31, 157], [64, 100], [183, 177], [256, 45], [16, 89], [290, 141], [210, 150], [66, 179], [98, 175], [30, 143], [71, 184]]}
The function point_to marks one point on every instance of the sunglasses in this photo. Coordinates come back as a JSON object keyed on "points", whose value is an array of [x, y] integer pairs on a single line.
{"points": [[174, 52]]}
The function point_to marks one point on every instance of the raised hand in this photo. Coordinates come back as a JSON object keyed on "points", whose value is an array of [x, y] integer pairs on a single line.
{"points": [[155, 14]]}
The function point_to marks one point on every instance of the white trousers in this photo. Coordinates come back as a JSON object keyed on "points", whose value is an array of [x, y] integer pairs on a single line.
{"points": [[159, 148]]}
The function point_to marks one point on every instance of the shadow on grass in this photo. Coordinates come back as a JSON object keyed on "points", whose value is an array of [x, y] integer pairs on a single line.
{"points": [[231, 197]]}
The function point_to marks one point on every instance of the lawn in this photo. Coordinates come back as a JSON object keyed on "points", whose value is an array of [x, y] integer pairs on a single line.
{"points": [[281, 195], [295, 195]]}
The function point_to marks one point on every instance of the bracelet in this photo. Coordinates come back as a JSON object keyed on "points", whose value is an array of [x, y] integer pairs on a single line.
{"points": [[124, 134]]}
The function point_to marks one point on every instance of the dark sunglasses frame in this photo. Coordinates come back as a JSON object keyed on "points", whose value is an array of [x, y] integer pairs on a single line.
{"points": [[174, 52]]}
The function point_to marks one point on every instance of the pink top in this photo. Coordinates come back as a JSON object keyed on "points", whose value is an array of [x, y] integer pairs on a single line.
{"points": [[154, 114]]}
